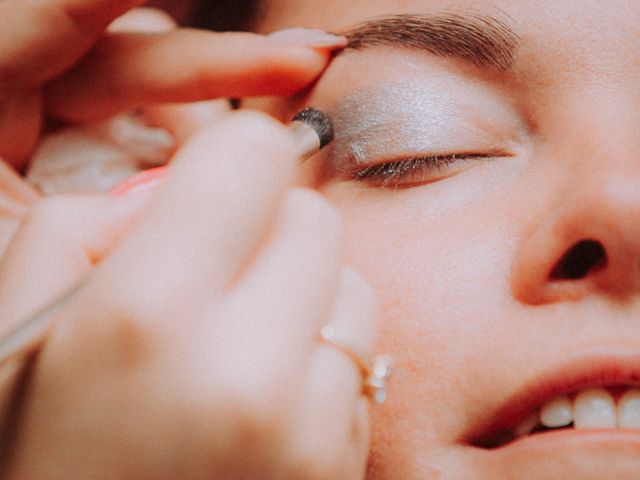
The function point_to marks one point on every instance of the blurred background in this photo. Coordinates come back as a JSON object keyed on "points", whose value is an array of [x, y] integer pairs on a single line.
{"points": [[219, 15]]}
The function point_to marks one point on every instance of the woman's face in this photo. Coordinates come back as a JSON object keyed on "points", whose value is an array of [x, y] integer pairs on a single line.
{"points": [[508, 274]]}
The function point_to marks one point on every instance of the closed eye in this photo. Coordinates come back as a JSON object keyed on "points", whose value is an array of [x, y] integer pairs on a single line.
{"points": [[415, 170]]}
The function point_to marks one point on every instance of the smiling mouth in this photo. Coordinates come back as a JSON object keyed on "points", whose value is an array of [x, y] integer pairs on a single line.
{"points": [[587, 394], [590, 408]]}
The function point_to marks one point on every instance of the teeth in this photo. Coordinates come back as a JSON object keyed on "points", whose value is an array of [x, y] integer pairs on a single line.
{"points": [[595, 408], [592, 408], [629, 409], [557, 413]]}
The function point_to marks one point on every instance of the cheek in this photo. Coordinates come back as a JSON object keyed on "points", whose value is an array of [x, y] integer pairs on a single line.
{"points": [[441, 277]]}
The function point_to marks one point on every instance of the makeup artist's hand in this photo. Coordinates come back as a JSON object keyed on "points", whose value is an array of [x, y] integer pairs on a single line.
{"points": [[58, 60], [192, 351]]}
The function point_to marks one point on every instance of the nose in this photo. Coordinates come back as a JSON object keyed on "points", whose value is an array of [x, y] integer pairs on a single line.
{"points": [[586, 239]]}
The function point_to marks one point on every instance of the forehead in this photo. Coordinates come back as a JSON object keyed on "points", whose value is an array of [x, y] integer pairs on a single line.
{"points": [[338, 14]]}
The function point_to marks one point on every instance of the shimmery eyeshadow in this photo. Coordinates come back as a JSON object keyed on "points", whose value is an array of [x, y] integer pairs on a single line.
{"points": [[388, 121]]}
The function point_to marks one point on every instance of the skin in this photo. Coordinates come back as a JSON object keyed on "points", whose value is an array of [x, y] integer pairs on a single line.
{"points": [[461, 265], [468, 307], [171, 359]]}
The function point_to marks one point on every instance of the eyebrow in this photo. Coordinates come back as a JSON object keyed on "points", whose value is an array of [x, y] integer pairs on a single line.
{"points": [[481, 40]]}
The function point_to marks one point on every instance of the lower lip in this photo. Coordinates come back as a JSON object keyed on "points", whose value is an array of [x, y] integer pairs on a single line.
{"points": [[569, 453], [557, 438]]}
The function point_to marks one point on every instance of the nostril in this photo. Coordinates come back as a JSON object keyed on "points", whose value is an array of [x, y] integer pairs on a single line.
{"points": [[580, 260]]}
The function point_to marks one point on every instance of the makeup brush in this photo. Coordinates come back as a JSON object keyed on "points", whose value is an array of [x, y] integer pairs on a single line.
{"points": [[313, 130]]}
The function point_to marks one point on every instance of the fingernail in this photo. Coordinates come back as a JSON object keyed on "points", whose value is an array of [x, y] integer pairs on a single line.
{"points": [[306, 37], [140, 181]]}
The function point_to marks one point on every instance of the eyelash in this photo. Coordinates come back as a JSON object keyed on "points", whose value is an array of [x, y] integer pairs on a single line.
{"points": [[415, 169]]}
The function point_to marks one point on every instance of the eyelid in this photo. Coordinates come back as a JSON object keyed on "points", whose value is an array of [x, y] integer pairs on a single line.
{"points": [[395, 173], [380, 143]]}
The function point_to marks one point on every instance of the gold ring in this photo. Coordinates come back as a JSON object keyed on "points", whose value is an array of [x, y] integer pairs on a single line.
{"points": [[375, 369]]}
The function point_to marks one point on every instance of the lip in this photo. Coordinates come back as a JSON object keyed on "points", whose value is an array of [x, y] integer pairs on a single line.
{"points": [[594, 371], [583, 454], [558, 438]]}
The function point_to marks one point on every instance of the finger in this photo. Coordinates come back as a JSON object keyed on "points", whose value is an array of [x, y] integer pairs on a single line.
{"points": [[57, 245], [16, 199], [285, 295], [143, 19], [183, 120], [211, 215], [186, 65], [330, 427], [42, 38]]}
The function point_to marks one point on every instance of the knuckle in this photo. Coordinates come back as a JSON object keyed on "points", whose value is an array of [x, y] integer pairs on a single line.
{"points": [[252, 418], [138, 324], [114, 332], [262, 132], [258, 419], [130, 339]]}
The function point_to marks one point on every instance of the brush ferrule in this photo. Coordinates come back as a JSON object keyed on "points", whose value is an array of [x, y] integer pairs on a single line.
{"points": [[306, 138]]}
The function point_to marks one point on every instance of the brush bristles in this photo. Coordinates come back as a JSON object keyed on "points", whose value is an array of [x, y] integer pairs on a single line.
{"points": [[319, 121]]}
